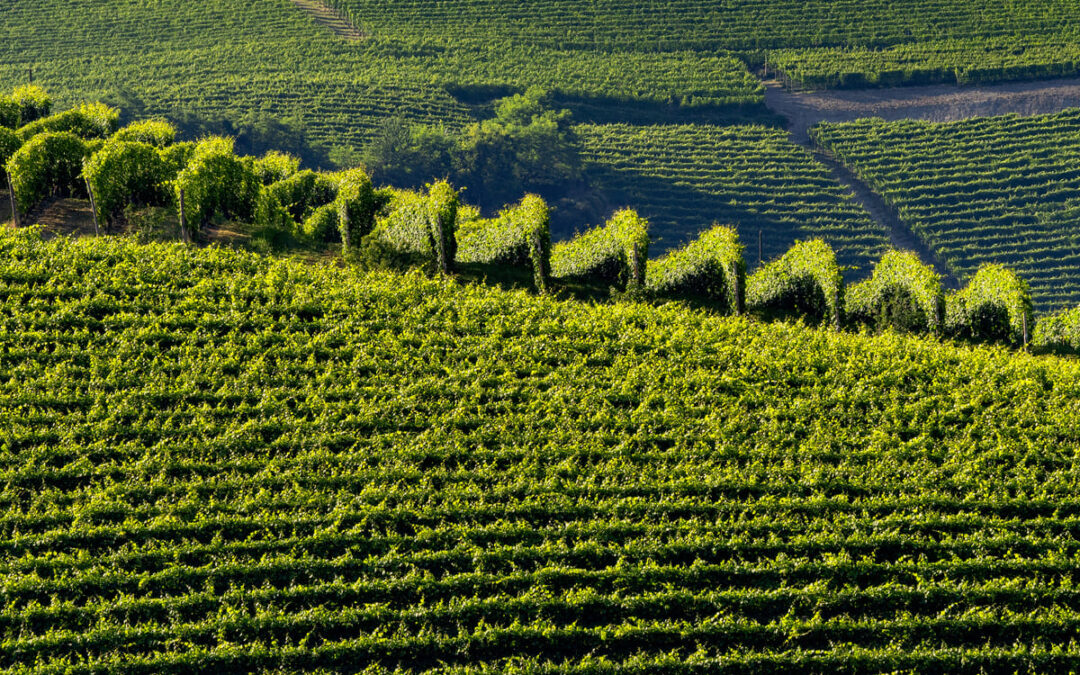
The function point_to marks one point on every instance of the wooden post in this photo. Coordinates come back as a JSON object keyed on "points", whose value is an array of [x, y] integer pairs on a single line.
{"points": [[93, 207], [1025, 330], [183, 220], [14, 203]]}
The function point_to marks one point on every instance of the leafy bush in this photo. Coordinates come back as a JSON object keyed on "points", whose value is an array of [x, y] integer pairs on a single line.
{"points": [[614, 253], [420, 225], [276, 166], [301, 193], [804, 281], [1059, 333], [23, 106], [710, 268], [216, 181], [519, 235], [356, 205], [902, 293], [88, 121], [158, 133], [124, 173], [994, 307], [49, 163], [9, 143]]}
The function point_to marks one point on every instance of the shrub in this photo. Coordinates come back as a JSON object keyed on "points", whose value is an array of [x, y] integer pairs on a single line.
{"points": [[805, 281], [1058, 333], [49, 163], [902, 293], [88, 121], [216, 182], [614, 253], [276, 166], [355, 206], [23, 106], [176, 157], [124, 173], [519, 235], [157, 133], [9, 143], [301, 193], [421, 225], [710, 268], [994, 307]]}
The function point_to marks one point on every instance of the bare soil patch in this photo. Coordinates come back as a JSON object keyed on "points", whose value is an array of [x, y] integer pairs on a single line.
{"points": [[330, 19], [938, 103]]}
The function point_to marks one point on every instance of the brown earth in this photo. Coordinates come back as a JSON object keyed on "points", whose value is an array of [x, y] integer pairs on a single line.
{"points": [[330, 19]]}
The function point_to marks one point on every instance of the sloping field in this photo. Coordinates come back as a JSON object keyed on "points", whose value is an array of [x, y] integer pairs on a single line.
{"points": [[684, 178], [1001, 189], [222, 463]]}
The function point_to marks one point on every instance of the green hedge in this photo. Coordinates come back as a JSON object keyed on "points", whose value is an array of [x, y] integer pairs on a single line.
{"points": [[216, 182], [127, 172], [902, 293], [804, 281], [158, 133], [421, 225], [88, 121], [1058, 333], [519, 235], [994, 307], [711, 267], [49, 163], [613, 253], [276, 166], [23, 106]]}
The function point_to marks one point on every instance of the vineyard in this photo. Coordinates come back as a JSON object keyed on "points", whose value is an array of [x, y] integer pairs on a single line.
{"points": [[686, 177], [220, 462], [991, 190]]}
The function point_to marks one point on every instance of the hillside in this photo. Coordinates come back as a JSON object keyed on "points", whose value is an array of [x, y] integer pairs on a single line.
{"points": [[222, 462]]}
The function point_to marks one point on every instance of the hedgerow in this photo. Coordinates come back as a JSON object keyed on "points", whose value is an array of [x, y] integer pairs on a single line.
{"points": [[356, 204], [216, 182], [804, 281], [421, 225], [87, 121], [711, 267], [124, 173], [158, 133], [24, 105], [519, 235], [1058, 333], [995, 306], [276, 166], [615, 252], [48, 164], [902, 293]]}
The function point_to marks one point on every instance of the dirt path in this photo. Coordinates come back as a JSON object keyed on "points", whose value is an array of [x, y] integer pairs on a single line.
{"points": [[939, 103], [330, 19]]}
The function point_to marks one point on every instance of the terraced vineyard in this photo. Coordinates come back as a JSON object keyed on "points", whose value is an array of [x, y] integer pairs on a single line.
{"points": [[213, 461], [1002, 189], [686, 177]]}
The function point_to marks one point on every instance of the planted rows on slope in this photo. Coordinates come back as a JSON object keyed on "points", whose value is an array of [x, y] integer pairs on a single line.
{"points": [[991, 190], [215, 460], [684, 178]]}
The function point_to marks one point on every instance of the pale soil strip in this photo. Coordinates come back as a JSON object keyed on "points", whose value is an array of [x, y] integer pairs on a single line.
{"points": [[330, 19]]}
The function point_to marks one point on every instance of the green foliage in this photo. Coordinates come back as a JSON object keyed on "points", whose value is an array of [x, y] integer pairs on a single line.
{"points": [[157, 133], [9, 143], [48, 164], [216, 182], [519, 235], [127, 173], [23, 106], [1059, 333], [805, 281], [615, 253], [995, 306], [88, 121], [711, 268], [356, 204], [274, 167], [421, 225], [985, 190], [302, 468], [903, 293]]}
